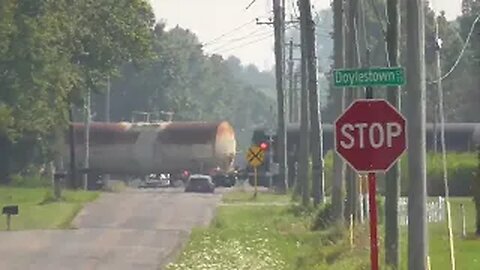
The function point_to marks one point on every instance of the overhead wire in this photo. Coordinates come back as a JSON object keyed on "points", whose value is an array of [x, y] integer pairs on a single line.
{"points": [[229, 32], [251, 34], [247, 43], [462, 52], [262, 33], [243, 44]]}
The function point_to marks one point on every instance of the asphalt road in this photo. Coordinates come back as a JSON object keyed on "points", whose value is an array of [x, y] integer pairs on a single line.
{"points": [[135, 229]]}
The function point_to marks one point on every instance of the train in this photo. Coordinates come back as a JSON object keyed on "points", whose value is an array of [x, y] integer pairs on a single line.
{"points": [[136, 150], [459, 137]]}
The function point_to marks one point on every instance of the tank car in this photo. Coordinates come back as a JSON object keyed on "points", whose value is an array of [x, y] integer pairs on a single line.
{"points": [[139, 149]]}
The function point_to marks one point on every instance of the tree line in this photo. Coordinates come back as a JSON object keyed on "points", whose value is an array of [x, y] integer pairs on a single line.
{"points": [[461, 93], [53, 51]]}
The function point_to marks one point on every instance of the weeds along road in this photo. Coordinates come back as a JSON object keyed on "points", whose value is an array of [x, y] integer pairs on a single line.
{"points": [[135, 229]]}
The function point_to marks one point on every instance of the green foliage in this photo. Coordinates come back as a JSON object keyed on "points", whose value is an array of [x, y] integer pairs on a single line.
{"points": [[50, 52], [460, 88], [38, 209], [267, 237], [195, 86], [323, 218], [460, 173]]}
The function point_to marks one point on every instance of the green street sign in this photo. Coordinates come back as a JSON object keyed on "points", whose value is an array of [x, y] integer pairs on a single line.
{"points": [[369, 77]]}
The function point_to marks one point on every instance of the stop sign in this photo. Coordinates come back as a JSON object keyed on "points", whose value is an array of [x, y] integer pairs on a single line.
{"points": [[370, 135]]}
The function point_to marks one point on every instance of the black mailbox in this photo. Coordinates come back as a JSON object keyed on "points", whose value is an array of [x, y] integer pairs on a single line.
{"points": [[60, 175], [10, 210]]}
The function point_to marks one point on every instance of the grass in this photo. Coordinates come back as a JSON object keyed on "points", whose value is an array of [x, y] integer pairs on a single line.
{"points": [[262, 197], [38, 210], [466, 250], [266, 237], [280, 237]]}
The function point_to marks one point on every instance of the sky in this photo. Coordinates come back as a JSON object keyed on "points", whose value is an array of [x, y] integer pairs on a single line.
{"points": [[226, 27]]}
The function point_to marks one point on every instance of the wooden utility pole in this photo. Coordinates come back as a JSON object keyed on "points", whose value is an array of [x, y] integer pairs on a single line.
{"points": [[318, 178], [392, 182], [339, 99], [296, 98], [441, 115], [291, 100], [279, 72], [87, 138], [351, 208], [73, 166], [416, 89], [106, 177], [304, 113]]}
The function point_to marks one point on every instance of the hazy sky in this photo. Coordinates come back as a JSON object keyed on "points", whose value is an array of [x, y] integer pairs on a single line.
{"points": [[252, 43]]}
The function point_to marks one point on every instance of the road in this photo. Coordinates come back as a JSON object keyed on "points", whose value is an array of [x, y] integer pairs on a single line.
{"points": [[135, 229]]}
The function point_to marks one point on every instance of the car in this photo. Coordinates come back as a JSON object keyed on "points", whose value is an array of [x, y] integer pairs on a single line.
{"points": [[200, 183], [155, 180]]}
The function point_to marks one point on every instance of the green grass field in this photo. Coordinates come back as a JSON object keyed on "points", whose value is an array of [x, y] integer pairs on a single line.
{"points": [[38, 210], [279, 237], [467, 251]]}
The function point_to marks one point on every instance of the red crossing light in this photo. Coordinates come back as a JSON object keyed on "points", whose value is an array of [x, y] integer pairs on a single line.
{"points": [[264, 146]]}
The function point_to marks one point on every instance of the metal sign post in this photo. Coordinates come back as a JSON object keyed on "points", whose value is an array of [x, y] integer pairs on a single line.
{"points": [[255, 157], [370, 136]]}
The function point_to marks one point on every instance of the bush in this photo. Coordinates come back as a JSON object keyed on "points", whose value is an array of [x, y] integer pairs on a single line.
{"points": [[323, 218], [29, 181], [460, 171]]}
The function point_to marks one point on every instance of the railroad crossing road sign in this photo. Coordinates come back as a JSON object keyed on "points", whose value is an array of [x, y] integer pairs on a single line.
{"points": [[255, 156], [370, 135]]}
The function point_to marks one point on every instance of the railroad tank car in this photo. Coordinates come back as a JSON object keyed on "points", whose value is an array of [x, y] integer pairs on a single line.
{"points": [[164, 147], [459, 137]]}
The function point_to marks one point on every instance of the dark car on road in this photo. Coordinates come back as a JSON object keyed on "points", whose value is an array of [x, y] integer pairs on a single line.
{"points": [[200, 183]]}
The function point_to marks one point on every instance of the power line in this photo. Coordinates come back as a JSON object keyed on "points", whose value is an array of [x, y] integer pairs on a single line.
{"points": [[251, 3], [467, 41], [379, 19], [245, 44], [253, 33], [230, 32], [246, 37]]}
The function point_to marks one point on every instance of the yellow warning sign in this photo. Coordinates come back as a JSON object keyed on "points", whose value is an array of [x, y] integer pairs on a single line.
{"points": [[255, 156]]}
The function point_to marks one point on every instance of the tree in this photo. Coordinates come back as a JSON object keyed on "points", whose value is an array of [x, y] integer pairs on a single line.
{"points": [[50, 51]]}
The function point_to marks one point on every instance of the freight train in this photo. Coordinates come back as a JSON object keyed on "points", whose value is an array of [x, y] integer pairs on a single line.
{"points": [[136, 150], [459, 137]]}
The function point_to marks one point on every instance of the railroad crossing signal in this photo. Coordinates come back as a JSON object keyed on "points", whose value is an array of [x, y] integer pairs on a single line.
{"points": [[370, 135], [255, 156]]}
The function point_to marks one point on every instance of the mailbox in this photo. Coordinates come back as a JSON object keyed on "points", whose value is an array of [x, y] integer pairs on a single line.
{"points": [[10, 210], [59, 175]]}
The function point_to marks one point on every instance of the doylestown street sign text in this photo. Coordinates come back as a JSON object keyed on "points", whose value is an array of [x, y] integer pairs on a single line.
{"points": [[369, 77]]}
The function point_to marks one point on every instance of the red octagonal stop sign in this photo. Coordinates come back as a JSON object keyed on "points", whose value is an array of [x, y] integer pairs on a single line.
{"points": [[370, 135]]}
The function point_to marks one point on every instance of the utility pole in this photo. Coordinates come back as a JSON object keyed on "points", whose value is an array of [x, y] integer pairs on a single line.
{"points": [[296, 98], [106, 177], [304, 158], [315, 116], [73, 160], [416, 88], [442, 141], [87, 139], [107, 101], [279, 68], [392, 182], [339, 99], [351, 60], [291, 100]]}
